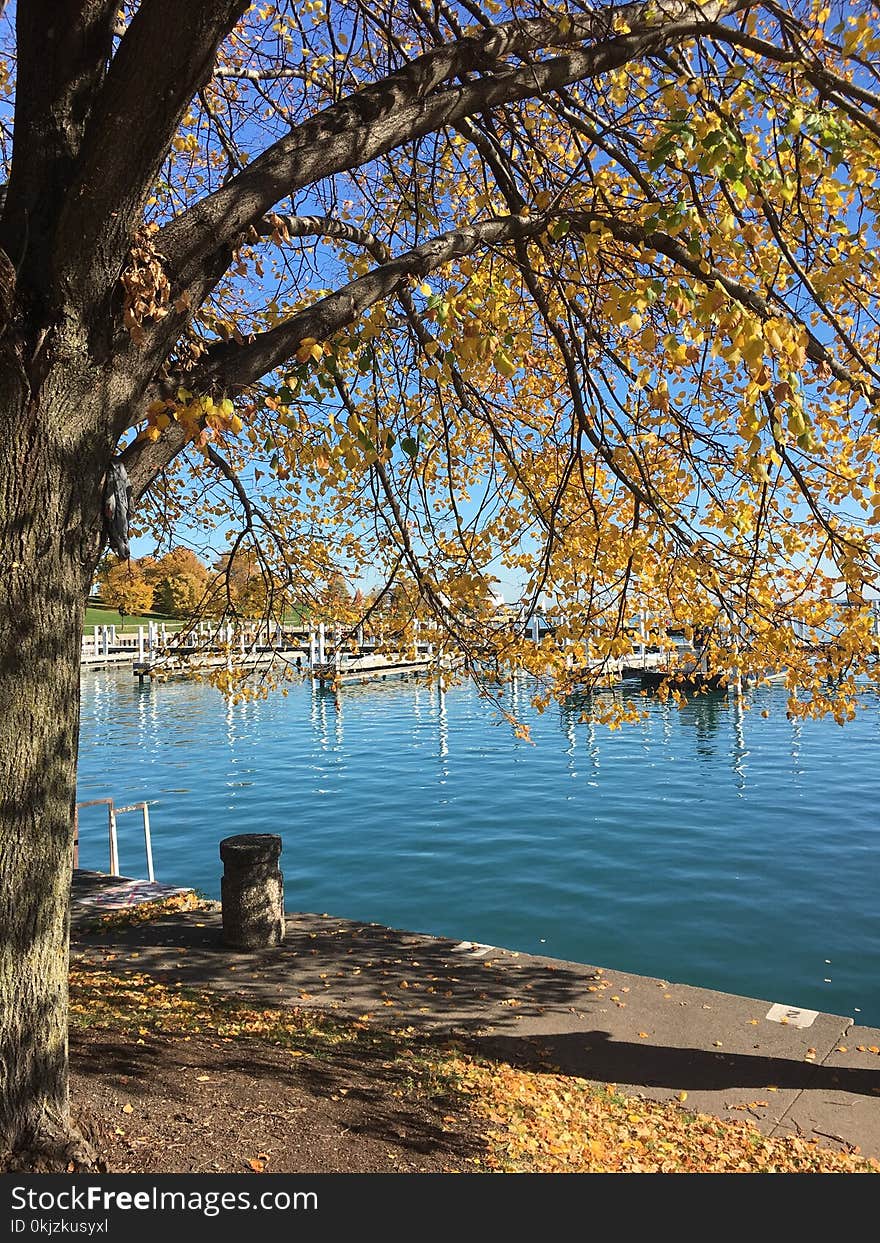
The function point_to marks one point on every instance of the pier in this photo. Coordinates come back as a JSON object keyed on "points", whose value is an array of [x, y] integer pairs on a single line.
{"points": [[371, 669]]}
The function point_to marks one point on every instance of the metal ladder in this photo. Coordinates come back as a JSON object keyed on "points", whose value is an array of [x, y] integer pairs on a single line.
{"points": [[112, 813]]}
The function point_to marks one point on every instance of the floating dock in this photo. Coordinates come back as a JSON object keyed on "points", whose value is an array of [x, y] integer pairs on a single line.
{"points": [[370, 669], [183, 662], [100, 660]]}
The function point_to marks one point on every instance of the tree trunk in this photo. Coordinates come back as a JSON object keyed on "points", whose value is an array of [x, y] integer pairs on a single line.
{"points": [[48, 498]]}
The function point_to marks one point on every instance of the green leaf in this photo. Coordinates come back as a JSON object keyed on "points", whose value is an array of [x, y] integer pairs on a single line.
{"points": [[409, 446]]}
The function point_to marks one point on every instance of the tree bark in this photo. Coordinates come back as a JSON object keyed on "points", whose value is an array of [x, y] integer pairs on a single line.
{"points": [[49, 506]]}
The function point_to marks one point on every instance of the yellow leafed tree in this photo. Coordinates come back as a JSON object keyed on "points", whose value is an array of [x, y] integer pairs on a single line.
{"points": [[583, 299], [125, 588]]}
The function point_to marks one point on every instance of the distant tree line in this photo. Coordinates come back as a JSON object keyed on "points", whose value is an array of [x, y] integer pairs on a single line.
{"points": [[179, 584]]}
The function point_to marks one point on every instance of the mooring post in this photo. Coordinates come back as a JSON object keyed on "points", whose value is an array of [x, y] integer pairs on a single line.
{"points": [[252, 891]]}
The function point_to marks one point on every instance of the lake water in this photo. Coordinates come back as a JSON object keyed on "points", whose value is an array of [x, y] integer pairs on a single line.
{"points": [[707, 845]]}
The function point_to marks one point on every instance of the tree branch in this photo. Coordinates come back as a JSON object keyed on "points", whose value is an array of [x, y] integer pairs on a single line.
{"points": [[323, 226], [62, 51], [709, 275], [230, 367], [166, 54], [408, 104]]}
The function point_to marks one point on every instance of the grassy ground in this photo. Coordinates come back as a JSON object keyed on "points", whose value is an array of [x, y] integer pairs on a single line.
{"points": [[97, 616], [185, 1079]]}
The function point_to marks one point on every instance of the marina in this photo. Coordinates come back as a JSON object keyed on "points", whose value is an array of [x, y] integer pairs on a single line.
{"points": [[708, 842]]}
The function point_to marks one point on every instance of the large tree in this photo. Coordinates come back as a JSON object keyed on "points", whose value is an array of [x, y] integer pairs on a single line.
{"points": [[447, 290]]}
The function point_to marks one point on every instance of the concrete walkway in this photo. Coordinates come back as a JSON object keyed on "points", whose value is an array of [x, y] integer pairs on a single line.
{"points": [[786, 1071], [95, 893]]}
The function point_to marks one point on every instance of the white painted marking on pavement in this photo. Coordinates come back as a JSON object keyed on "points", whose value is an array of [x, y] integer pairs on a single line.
{"points": [[791, 1015], [472, 948]]}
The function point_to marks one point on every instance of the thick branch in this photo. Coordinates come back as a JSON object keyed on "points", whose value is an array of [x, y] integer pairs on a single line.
{"points": [[230, 367], [144, 460], [323, 226], [408, 104], [165, 56], [62, 51]]}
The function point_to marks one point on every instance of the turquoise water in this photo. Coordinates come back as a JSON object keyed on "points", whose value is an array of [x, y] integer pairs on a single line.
{"points": [[706, 845]]}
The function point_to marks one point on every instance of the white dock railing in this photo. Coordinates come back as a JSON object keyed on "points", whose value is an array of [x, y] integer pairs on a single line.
{"points": [[112, 813]]}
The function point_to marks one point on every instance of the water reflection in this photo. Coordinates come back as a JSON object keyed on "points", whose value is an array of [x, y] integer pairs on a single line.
{"points": [[704, 714], [739, 751], [442, 728], [796, 742]]}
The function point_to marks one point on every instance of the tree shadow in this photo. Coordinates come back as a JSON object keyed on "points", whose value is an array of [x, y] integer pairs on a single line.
{"points": [[594, 1055], [361, 1085], [350, 967]]}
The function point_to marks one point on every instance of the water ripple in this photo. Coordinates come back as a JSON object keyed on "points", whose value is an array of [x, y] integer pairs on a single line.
{"points": [[707, 845]]}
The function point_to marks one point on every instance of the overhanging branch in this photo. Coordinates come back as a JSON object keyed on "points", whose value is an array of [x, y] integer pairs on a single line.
{"points": [[409, 104]]}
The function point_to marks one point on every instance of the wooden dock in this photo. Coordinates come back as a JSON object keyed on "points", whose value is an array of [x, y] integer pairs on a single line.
{"points": [[370, 669], [100, 660], [183, 662]]}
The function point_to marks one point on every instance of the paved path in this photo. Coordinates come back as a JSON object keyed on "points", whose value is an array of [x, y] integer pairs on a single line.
{"points": [[95, 893], [732, 1055]]}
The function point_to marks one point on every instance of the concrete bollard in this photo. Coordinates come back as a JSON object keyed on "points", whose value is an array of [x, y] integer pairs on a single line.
{"points": [[252, 891]]}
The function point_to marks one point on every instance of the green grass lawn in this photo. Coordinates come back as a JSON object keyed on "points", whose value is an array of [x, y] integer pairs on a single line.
{"points": [[97, 616]]}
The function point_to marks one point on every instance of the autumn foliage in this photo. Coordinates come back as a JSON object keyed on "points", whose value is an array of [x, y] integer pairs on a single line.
{"points": [[125, 587], [530, 1121], [613, 341], [585, 300], [175, 585]]}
